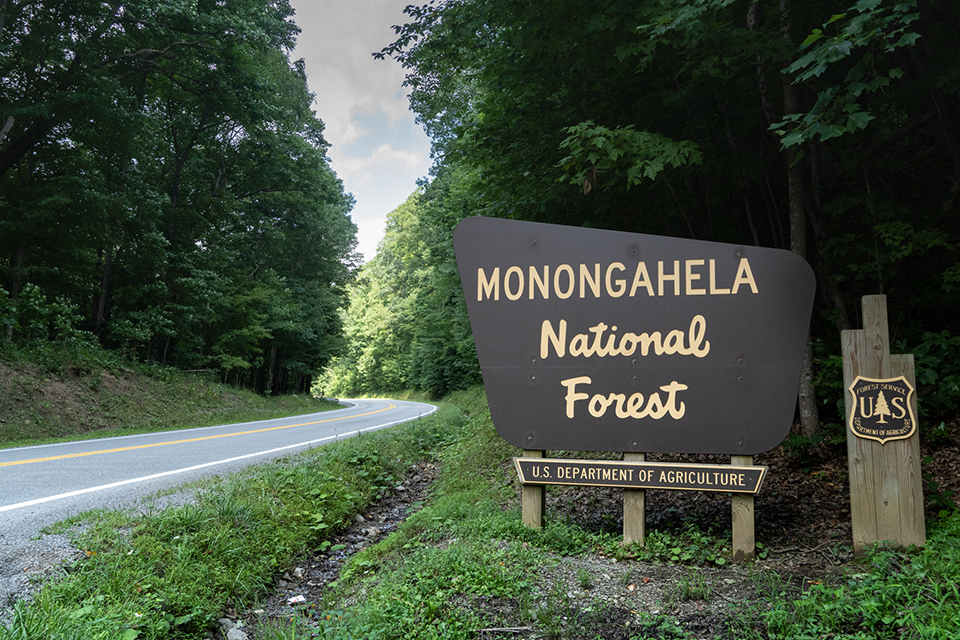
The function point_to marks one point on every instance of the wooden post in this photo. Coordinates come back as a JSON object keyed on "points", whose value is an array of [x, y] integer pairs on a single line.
{"points": [[634, 508], [533, 497], [744, 537], [886, 494]]}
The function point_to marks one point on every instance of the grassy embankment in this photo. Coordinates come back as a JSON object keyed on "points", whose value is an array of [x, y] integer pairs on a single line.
{"points": [[169, 573], [38, 406]]}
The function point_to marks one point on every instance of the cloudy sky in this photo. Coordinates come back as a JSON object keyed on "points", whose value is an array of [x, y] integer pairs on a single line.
{"points": [[378, 151]]}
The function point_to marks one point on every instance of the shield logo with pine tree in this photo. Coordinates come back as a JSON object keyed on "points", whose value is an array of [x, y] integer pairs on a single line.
{"points": [[882, 409]]}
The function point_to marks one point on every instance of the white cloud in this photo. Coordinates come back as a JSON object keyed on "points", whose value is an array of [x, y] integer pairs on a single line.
{"points": [[385, 158], [337, 41], [362, 103]]}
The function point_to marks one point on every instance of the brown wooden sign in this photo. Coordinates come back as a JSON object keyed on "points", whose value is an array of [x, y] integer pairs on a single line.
{"points": [[882, 409], [595, 340], [641, 475]]}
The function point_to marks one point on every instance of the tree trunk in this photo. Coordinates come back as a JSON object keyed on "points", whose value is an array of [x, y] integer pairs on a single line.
{"points": [[15, 278], [6, 128], [273, 360], [809, 416], [102, 301], [741, 179]]}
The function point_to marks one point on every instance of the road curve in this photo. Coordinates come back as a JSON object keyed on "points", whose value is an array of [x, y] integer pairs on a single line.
{"points": [[42, 485]]}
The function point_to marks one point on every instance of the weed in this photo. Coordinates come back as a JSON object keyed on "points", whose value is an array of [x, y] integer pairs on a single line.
{"points": [[111, 400], [941, 499], [659, 627], [894, 591], [693, 587], [690, 546], [584, 579], [170, 573]]}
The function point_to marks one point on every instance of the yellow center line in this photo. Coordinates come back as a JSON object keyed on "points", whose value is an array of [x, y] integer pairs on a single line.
{"points": [[163, 444]]}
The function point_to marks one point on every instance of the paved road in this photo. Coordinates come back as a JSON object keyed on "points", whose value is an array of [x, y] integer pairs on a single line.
{"points": [[42, 485]]}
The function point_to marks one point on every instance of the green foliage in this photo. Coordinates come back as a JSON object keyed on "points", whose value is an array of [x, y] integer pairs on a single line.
{"points": [[110, 398], [48, 333], [689, 547], [894, 591], [419, 596], [941, 499], [162, 174], [406, 326], [938, 376], [658, 118], [869, 28], [170, 572], [691, 587], [621, 153], [167, 573]]}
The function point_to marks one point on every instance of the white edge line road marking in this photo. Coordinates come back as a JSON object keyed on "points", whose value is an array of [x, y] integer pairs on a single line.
{"points": [[104, 487]]}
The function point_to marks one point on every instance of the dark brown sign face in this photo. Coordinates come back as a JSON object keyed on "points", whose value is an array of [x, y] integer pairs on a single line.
{"points": [[882, 409], [593, 340]]}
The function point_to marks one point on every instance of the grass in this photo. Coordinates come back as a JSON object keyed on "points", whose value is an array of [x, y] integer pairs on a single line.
{"points": [[38, 407], [461, 564], [171, 572], [895, 594]]}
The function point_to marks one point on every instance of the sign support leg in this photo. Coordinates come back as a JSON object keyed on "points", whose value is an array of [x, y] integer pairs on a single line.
{"points": [[533, 497], [634, 508], [744, 537]]}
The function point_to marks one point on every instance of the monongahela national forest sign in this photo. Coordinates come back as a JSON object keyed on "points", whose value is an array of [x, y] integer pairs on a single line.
{"points": [[595, 340]]}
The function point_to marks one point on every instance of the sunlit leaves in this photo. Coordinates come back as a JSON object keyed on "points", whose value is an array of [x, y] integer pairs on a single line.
{"points": [[621, 155]]}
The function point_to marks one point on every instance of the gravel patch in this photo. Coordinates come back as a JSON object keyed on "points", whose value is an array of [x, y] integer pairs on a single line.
{"points": [[25, 565]]}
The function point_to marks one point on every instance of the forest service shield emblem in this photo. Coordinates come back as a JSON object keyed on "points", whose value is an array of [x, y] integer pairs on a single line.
{"points": [[882, 409]]}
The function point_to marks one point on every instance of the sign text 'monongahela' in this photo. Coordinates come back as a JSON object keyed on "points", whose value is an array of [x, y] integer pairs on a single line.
{"points": [[695, 278]]}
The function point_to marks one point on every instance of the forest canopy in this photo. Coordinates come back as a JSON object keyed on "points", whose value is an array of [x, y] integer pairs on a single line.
{"points": [[829, 128], [165, 190]]}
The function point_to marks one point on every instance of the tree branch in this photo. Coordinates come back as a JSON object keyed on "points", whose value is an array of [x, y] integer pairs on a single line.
{"points": [[146, 54]]}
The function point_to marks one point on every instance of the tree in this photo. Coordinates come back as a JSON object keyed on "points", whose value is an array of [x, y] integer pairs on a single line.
{"points": [[821, 128], [407, 326], [163, 172]]}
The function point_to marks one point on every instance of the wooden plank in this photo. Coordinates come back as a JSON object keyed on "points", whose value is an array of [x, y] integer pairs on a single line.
{"points": [[742, 505], [859, 456], [634, 508], [533, 497], [875, 362], [886, 493], [913, 528], [882, 458]]}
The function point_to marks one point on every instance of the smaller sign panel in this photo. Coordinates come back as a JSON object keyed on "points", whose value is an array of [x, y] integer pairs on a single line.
{"points": [[641, 475], [882, 409]]}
